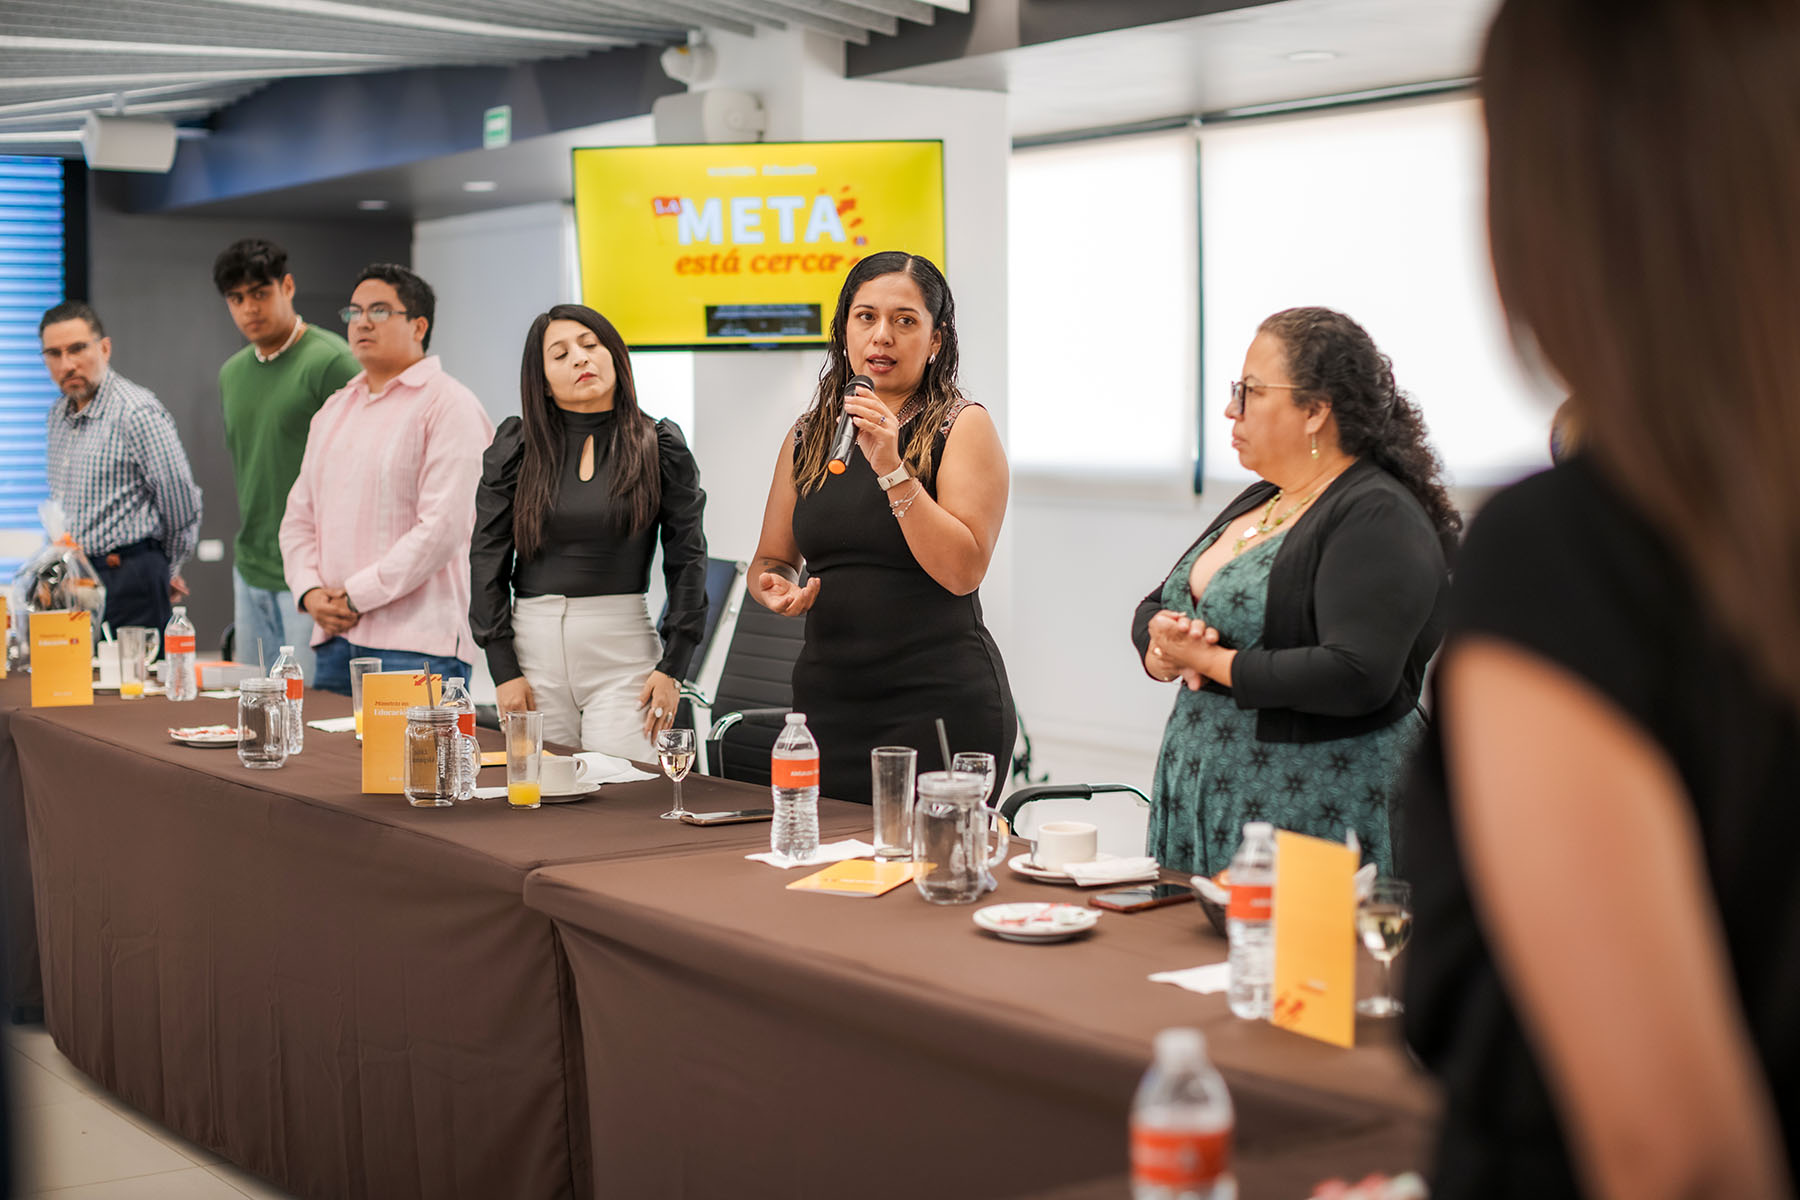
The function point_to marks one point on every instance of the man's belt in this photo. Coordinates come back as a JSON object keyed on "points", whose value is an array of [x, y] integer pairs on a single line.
{"points": [[114, 558]]}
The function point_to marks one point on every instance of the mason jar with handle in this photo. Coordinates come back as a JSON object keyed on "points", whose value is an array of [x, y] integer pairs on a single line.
{"points": [[950, 837], [262, 723]]}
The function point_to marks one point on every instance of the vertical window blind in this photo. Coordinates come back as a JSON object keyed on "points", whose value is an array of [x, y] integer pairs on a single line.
{"points": [[31, 280]]}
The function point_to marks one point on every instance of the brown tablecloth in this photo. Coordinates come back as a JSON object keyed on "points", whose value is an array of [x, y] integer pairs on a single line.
{"points": [[23, 990], [338, 991], [746, 1040]]}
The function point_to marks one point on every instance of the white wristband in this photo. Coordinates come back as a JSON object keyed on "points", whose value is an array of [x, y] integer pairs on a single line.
{"points": [[893, 478]]}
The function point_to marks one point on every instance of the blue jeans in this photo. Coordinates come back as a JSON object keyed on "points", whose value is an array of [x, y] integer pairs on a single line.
{"points": [[271, 618], [333, 661]]}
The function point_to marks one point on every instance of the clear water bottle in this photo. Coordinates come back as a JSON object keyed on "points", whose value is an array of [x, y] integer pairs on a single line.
{"points": [[1250, 925], [178, 648], [287, 669], [794, 775], [1181, 1123], [456, 696]]}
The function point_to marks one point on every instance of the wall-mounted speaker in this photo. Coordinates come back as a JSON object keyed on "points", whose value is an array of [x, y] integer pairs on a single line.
{"points": [[715, 115], [128, 143]]}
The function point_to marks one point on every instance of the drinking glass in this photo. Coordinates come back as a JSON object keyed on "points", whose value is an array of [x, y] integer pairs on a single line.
{"points": [[891, 774], [524, 758], [675, 751], [977, 762], [358, 668], [137, 646], [1384, 923]]}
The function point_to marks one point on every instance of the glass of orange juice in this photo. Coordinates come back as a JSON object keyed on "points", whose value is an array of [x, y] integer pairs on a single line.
{"points": [[524, 754], [358, 668], [136, 649]]}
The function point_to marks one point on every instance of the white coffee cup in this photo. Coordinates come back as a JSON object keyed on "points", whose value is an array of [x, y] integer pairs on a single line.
{"points": [[1062, 842], [559, 776], [106, 661]]}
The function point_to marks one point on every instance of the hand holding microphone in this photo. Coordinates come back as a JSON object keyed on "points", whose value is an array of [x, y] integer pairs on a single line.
{"points": [[844, 440]]}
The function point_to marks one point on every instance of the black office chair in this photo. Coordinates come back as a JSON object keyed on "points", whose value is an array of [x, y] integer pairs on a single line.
{"points": [[724, 589], [754, 694]]}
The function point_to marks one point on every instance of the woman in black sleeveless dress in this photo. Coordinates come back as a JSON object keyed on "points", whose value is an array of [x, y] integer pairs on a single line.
{"points": [[897, 543]]}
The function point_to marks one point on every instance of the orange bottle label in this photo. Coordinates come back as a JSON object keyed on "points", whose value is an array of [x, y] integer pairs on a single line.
{"points": [[465, 724], [1251, 902], [1179, 1159], [794, 772], [179, 643], [296, 689]]}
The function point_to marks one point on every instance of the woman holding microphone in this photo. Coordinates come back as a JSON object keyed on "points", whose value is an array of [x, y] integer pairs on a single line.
{"points": [[898, 542]]}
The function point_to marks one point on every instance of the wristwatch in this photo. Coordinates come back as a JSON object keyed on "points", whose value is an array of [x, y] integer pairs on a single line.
{"points": [[894, 477]]}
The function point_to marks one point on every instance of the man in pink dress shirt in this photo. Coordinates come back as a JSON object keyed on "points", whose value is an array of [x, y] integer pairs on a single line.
{"points": [[375, 542]]}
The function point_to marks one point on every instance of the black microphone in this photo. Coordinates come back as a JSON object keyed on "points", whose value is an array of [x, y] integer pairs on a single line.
{"points": [[845, 440]]}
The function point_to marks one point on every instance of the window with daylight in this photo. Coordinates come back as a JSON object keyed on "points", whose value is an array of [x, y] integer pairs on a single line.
{"points": [[1103, 307], [31, 280], [1378, 213]]}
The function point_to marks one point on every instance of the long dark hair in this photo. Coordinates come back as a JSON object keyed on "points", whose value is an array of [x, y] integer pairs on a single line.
{"points": [[1642, 191], [938, 386], [631, 458], [1330, 357]]}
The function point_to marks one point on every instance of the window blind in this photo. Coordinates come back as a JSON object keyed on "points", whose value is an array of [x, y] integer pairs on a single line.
{"points": [[31, 280]]}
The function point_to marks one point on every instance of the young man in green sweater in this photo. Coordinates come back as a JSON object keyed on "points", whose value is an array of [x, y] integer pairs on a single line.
{"points": [[269, 391]]}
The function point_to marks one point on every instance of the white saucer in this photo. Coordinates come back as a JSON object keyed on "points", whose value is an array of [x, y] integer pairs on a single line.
{"points": [[585, 788], [1022, 865], [1036, 922]]}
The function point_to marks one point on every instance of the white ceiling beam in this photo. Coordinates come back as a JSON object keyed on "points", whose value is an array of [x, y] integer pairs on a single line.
{"points": [[93, 46], [126, 80], [416, 20]]}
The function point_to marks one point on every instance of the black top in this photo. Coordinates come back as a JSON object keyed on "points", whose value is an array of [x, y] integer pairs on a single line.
{"points": [[1563, 567], [582, 555], [888, 648], [1355, 610]]}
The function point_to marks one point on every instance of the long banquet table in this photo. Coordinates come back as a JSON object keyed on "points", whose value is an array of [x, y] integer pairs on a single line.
{"points": [[340, 992], [744, 1040]]}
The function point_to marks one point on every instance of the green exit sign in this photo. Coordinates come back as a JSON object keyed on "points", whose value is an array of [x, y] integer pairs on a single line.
{"points": [[496, 127]]}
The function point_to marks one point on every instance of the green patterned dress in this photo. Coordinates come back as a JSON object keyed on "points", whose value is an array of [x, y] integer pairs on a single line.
{"points": [[1212, 775]]}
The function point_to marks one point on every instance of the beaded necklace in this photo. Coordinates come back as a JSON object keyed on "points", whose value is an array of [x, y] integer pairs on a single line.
{"points": [[1265, 525]]}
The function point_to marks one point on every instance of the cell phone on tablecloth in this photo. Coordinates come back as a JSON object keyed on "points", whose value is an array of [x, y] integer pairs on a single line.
{"points": [[736, 816], [1137, 899]]}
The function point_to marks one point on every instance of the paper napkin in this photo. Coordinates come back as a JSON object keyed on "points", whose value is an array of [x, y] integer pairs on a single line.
{"points": [[828, 852], [1107, 869], [1214, 977], [604, 768]]}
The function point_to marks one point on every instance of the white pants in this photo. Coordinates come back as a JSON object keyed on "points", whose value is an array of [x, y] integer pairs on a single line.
{"points": [[586, 658]]}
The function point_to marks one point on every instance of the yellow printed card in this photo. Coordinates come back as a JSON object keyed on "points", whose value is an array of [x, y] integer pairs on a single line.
{"points": [[386, 695], [1315, 938], [857, 877], [62, 659], [5, 623]]}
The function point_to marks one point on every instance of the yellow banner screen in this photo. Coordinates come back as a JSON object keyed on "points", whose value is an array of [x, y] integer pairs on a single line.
{"points": [[745, 245]]}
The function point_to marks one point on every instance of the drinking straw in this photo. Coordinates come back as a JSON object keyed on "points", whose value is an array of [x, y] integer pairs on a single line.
{"points": [[944, 743], [260, 665], [425, 666]]}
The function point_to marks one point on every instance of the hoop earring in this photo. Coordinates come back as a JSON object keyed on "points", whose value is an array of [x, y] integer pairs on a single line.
{"points": [[1315, 445]]}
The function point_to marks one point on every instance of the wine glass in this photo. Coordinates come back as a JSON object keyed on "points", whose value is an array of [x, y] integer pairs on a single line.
{"points": [[1384, 923], [675, 750]]}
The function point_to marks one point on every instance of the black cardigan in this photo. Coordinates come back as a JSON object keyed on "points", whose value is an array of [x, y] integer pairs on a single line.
{"points": [[1355, 611]]}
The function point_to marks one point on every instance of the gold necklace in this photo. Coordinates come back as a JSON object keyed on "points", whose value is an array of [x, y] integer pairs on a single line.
{"points": [[1264, 525]]}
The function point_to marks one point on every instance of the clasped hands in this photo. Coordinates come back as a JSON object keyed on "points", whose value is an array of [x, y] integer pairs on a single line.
{"points": [[330, 610], [1188, 650]]}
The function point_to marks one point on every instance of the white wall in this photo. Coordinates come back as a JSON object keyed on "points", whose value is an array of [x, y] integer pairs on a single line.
{"points": [[493, 272]]}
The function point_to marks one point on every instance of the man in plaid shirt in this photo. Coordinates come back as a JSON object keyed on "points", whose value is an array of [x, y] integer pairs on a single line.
{"points": [[117, 468]]}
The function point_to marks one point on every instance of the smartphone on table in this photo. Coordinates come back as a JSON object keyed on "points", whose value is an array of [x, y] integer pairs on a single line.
{"points": [[1137, 899], [735, 816]]}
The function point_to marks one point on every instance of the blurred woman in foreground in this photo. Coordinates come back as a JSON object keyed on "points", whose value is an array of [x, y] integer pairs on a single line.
{"points": [[1608, 917]]}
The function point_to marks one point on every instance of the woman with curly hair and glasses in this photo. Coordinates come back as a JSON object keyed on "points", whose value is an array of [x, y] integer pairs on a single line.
{"points": [[897, 539], [1300, 623]]}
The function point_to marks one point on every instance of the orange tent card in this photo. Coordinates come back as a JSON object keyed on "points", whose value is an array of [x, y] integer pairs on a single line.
{"points": [[62, 659], [857, 877], [1315, 938], [386, 696]]}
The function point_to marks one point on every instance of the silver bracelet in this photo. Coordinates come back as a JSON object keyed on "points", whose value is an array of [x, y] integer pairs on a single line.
{"points": [[899, 507]]}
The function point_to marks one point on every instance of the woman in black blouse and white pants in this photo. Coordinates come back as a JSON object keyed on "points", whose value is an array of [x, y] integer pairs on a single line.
{"points": [[574, 494]]}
